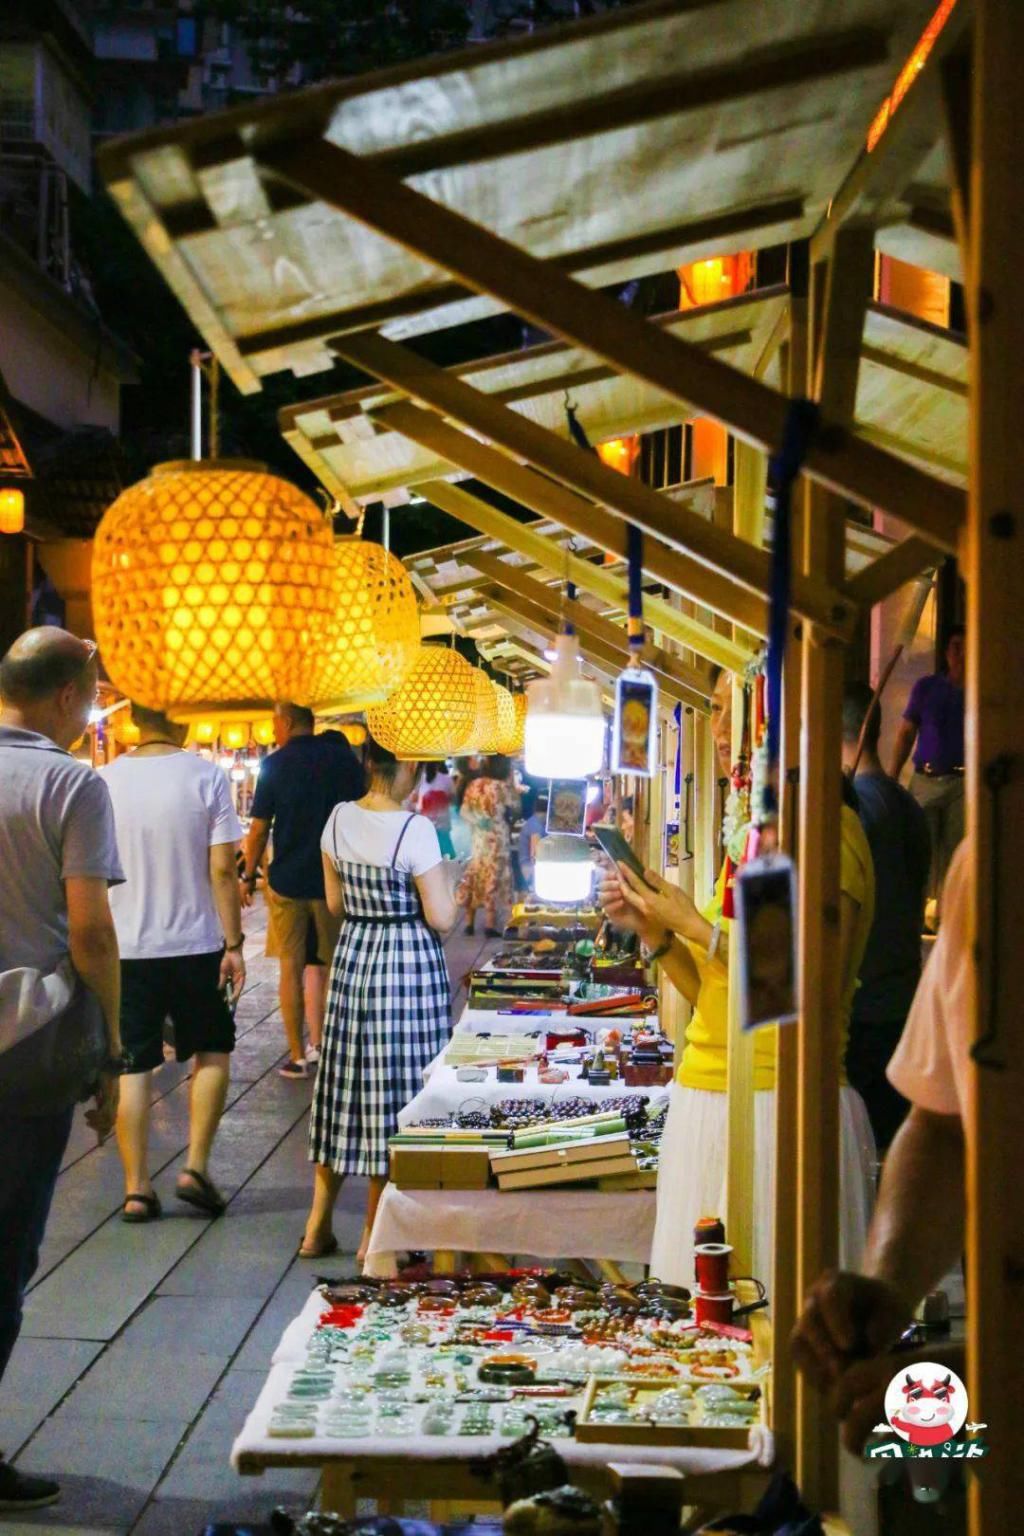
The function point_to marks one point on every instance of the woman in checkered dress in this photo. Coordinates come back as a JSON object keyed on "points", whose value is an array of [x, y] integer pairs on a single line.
{"points": [[389, 1004]]}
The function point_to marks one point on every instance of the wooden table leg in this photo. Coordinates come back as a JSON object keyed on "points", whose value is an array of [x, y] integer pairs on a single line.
{"points": [[337, 1492], [446, 1261]]}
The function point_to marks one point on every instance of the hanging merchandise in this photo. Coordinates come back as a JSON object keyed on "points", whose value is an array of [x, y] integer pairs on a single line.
{"points": [[432, 714], [565, 727], [375, 632], [213, 588], [563, 870], [634, 739]]}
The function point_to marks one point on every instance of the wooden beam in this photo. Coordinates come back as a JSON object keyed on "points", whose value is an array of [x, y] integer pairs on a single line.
{"points": [[610, 587], [701, 233], [693, 683], [592, 320], [994, 570], [956, 101], [718, 551], [581, 516], [890, 571]]}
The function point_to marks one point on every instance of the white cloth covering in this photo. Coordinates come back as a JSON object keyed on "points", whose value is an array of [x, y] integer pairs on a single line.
{"points": [[504, 1021], [443, 1094], [170, 809], [538, 1223], [691, 1179]]}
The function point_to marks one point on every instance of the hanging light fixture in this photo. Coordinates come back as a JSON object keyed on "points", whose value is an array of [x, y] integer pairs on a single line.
{"points": [[484, 734], [354, 732], [564, 732], [375, 633], [563, 870], [263, 732], [12, 509], [213, 589], [511, 718], [203, 732], [433, 713], [234, 735]]}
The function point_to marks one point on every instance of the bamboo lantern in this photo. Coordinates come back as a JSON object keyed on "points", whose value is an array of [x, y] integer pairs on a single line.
{"points": [[213, 589], [375, 629], [354, 733], [483, 734], [234, 735], [12, 509], [506, 720], [204, 732], [434, 711], [512, 730], [263, 732]]}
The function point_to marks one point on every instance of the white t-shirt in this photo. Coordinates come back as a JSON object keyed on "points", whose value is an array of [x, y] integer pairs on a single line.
{"points": [[170, 809], [357, 836], [931, 1065]]}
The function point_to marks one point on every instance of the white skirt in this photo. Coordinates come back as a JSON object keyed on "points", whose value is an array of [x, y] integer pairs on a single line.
{"points": [[691, 1178]]}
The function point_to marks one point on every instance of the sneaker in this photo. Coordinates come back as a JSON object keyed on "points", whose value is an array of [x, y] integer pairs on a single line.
{"points": [[312, 1055], [293, 1070], [19, 1491]]}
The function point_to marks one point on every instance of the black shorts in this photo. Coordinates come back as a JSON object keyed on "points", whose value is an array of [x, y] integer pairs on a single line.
{"points": [[183, 988]]}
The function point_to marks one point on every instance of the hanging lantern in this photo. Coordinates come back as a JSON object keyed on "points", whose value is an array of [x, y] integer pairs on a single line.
{"points": [[620, 453], [12, 509], [204, 732], [263, 733], [564, 732], [127, 733], [511, 729], [563, 869], [354, 733], [486, 729], [234, 735], [375, 631], [213, 589], [432, 714]]}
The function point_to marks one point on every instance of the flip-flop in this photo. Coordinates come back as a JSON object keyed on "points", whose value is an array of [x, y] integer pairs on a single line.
{"points": [[152, 1209], [324, 1251], [204, 1196]]}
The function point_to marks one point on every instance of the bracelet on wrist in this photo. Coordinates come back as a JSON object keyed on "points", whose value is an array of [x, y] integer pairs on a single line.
{"points": [[652, 956], [234, 949]]}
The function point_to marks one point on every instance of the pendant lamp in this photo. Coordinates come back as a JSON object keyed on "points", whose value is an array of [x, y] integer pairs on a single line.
{"points": [[213, 589], [375, 632], [563, 869], [354, 732], [511, 727], [12, 509], [263, 732], [565, 729], [434, 711], [484, 736]]}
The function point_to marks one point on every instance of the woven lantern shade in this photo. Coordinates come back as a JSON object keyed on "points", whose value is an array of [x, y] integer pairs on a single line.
{"points": [[512, 723], [263, 732], [354, 733], [430, 716], [213, 589], [505, 712], [375, 630], [482, 735]]}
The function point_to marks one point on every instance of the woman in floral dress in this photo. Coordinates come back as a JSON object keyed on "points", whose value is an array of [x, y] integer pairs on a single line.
{"points": [[487, 882]]}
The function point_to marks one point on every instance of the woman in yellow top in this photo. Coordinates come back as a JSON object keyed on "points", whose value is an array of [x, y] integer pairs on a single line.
{"points": [[691, 1180]]}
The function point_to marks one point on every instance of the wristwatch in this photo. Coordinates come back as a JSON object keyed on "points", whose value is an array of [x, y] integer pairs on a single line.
{"points": [[235, 949]]}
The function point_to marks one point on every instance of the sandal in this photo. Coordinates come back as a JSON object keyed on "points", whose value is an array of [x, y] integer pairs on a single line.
{"points": [[204, 1196], [151, 1209], [322, 1251]]}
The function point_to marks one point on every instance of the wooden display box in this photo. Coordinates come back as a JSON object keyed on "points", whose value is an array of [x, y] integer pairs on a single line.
{"points": [[439, 1167], [575, 1162], [648, 1434]]}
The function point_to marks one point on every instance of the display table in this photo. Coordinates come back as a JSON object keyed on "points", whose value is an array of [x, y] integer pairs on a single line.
{"points": [[439, 1468], [505, 1021], [443, 1094], [539, 1223]]}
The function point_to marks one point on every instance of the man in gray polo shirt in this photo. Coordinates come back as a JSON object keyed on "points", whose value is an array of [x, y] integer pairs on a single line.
{"points": [[58, 856]]}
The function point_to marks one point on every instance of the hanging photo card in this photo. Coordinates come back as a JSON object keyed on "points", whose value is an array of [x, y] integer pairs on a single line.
{"points": [[636, 698], [567, 806], [764, 932]]}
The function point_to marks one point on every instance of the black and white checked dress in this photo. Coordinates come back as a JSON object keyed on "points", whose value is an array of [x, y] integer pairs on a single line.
{"points": [[388, 1015]]}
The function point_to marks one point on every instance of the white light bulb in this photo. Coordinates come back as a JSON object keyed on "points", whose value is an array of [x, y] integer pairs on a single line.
{"points": [[565, 730]]}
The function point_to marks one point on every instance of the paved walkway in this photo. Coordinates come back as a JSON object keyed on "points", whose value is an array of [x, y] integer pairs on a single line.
{"points": [[144, 1347]]}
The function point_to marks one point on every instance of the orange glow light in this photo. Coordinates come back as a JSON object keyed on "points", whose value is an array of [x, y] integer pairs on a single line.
{"points": [[620, 453], [909, 73], [12, 510], [714, 279]]}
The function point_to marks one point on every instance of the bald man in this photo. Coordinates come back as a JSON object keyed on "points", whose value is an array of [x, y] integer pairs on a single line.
{"points": [[58, 957]]}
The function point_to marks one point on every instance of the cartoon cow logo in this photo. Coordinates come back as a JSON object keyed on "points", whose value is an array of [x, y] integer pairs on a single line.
{"points": [[926, 1404]]}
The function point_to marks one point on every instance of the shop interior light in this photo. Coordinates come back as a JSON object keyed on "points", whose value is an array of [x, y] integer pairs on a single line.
{"points": [[234, 734], [565, 727], [511, 722], [12, 509], [563, 870]]}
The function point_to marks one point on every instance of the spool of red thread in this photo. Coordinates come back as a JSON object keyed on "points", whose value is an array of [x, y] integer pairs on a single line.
{"points": [[713, 1267], [713, 1309]]}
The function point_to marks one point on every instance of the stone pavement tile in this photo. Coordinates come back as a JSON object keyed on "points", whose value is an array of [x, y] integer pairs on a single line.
{"points": [[107, 1467], [214, 1325], [161, 1385], [40, 1373], [285, 1304]]}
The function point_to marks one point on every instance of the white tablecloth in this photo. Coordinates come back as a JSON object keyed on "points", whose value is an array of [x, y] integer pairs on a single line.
{"points": [[255, 1448], [498, 1021], [443, 1094], [539, 1223]]}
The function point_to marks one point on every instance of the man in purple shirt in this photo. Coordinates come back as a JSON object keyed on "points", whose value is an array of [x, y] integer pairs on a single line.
{"points": [[933, 726]]}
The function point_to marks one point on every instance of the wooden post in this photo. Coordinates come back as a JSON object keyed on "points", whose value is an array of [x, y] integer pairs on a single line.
{"points": [[839, 294], [995, 764]]}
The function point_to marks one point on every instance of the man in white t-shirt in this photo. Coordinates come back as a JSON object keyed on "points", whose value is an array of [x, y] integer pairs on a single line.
{"points": [[179, 928], [851, 1322]]}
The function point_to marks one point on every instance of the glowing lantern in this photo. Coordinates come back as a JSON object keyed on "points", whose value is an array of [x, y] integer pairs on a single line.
{"points": [[127, 733], [434, 711], [263, 733], [565, 728], [510, 735], [483, 734], [234, 735], [213, 589], [12, 510], [563, 869], [354, 733], [204, 732], [375, 630], [620, 453], [714, 279]]}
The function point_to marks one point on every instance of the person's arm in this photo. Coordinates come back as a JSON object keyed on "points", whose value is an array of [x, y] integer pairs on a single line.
{"points": [[226, 890], [253, 849], [332, 887], [435, 892], [906, 735], [668, 906], [93, 947]]}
